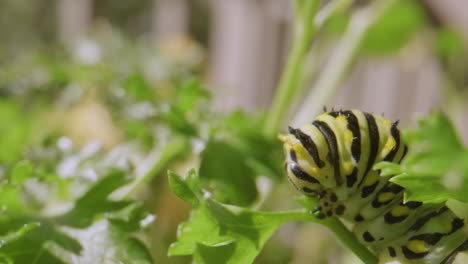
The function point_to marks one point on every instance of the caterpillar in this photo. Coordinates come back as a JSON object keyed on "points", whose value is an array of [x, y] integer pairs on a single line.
{"points": [[332, 159]]}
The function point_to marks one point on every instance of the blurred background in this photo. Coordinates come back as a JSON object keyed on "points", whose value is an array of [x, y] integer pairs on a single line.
{"points": [[104, 71], [238, 47]]}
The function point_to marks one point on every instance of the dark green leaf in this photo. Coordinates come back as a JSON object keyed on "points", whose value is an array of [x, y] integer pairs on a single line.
{"points": [[65, 241], [17, 234], [29, 247], [225, 169], [95, 201], [132, 218], [262, 154], [181, 189]]}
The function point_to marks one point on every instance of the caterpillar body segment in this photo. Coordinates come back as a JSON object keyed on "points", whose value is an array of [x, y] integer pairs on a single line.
{"points": [[332, 158]]}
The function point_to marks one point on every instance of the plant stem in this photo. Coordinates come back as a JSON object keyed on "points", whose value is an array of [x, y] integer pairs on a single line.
{"points": [[154, 163], [289, 84], [350, 240], [344, 235], [343, 57]]}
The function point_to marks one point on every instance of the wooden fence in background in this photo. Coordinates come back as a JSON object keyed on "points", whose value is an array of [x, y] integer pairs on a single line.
{"points": [[247, 47]]}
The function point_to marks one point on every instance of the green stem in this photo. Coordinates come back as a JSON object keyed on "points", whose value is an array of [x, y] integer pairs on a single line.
{"points": [[334, 224], [290, 79], [155, 162], [350, 240], [342, 59]]}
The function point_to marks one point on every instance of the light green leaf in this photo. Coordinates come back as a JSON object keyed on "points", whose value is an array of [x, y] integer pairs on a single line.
{"points": [[394, 28], [219, 253], [21, 172], [239, 232], [388, 168], [449, 43], [436, 166], [137, 87]]}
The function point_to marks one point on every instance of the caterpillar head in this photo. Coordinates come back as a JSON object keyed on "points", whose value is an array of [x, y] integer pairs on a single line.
{"points": [[305, 175]]}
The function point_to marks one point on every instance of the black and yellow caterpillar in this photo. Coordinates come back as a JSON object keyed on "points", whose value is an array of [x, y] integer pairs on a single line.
{"points": [[332, 159]]}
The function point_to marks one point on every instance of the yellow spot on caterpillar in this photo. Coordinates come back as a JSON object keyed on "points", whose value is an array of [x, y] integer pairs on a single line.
{"points": [[315, 171], [282, 137], [302, 153], [287, 139], [348, 136], [389, 146], [371, 178], [417, 246], [341, 118], [385, 197], [348, 167], [386, 122], [399, 210]]}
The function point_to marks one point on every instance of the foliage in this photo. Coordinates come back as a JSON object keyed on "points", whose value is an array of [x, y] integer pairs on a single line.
{"points": [[28, 233], [237, 234], [436, 167], [395, 27], [217, 230], [66, 200]]}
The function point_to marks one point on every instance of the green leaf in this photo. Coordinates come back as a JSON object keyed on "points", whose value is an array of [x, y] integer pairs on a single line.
{"points": [[21, 172], [52, 240], [436, 166], [427, 189], [185, 110], [337, 24], [387, 168], [177, 120], [10, 199], [192, 180], [182, 189], [459, 208], [394, 28], [189, 94], [219, 253], [225, 169], [262, 154], [233, 234], [95, 201], [16, 130], [307, 202], [65, 241], [132, 218], [114, 244], [449, 43], [29, 246], [13, 236], [137, 87]]}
